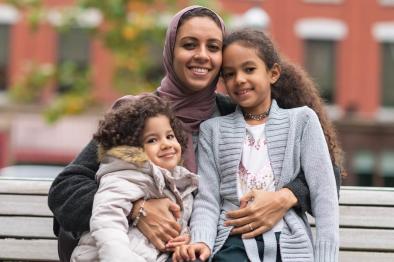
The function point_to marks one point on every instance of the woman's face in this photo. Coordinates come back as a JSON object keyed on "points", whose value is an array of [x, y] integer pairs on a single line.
{"points": [[198, 52]]}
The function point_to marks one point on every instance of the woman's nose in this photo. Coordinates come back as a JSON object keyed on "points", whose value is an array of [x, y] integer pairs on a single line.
{"points": [[201, 54]]}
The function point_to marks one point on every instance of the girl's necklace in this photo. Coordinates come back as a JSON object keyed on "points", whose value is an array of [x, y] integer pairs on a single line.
{"points": [[258, 117]]}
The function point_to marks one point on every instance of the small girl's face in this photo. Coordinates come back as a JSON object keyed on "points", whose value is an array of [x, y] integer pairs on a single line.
{"points": [[160, 143], [247, 78]]}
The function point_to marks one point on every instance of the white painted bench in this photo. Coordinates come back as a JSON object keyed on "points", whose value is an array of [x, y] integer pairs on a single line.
{"points": [[366, 221], [26, 222], [366, 224]]}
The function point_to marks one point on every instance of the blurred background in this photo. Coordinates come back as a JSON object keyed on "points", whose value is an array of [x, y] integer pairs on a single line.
{"points": [[62, 63]]}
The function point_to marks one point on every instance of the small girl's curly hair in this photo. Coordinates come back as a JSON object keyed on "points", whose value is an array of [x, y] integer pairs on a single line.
{"points": [[125, 122]]}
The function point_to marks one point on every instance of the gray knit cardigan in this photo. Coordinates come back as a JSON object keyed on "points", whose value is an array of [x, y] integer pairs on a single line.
{"points": [[295, 141]]}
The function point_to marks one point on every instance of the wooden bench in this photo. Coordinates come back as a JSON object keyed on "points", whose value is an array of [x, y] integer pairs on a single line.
{"points": [[366, 224], [26, 222], [366, 221]]}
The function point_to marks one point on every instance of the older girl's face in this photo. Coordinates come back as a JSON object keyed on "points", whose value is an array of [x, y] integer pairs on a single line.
{"points": [[198, 52]]}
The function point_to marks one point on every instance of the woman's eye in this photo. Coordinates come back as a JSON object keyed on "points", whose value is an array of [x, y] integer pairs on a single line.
{"points": [[214, 48], [170, 137], [189, 46]]}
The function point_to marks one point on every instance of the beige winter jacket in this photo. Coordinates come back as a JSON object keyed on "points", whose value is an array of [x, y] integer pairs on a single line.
{"points": [[125, 175]]}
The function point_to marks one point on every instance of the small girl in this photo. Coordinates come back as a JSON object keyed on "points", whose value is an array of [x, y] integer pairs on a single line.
{"points": [[140, 146], [261, 146]]}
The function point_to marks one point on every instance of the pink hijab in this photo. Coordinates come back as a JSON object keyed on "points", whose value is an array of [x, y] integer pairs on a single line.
{"points": [[191, 108]]}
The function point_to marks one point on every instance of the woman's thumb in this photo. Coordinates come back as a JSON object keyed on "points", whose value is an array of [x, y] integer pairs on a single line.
{"points": [[244, 200]]}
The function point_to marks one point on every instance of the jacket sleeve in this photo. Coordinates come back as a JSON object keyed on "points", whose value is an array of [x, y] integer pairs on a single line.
{"points": [[109, 224], [317, 166], [71, 194], [206, 207]]}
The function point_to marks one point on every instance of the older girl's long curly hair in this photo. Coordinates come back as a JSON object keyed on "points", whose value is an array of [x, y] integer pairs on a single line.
{"points": [[125, 122], [294, 87]]}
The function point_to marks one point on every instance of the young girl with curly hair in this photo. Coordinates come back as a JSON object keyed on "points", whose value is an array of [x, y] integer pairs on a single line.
{"points": [[140, 145], [262, 146]]}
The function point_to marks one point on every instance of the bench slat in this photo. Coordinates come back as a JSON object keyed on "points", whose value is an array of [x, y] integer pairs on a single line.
{"points": [[30, 250], [348, 256], [361, 216], [26, 227], [24, 186], [367, 196], [24, 205], [367, 239]]}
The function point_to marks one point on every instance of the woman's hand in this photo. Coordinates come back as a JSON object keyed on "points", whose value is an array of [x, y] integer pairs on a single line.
{"points": [[259, 211], [191, 252], [159, 225]]}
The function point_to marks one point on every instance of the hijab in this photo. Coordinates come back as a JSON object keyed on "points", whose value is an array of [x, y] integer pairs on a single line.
{"points": [[190, 107]]}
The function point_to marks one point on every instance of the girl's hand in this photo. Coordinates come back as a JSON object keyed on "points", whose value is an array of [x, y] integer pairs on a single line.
{"points": [[159, 225], [191, 252], [178, 241], [259, 211]]}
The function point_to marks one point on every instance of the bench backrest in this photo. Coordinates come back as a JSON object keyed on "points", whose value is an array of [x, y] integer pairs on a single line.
{"points": [[366, 223]]}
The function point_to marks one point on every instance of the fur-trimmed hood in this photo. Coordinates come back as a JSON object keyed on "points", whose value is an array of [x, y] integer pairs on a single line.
{"points": [[133, 159], [130, 154]]}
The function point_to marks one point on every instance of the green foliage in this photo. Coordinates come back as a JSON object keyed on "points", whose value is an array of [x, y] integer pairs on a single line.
{"points": [[132, 30], [35, 78]]}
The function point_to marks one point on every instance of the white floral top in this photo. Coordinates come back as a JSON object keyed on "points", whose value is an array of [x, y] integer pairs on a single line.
{"points": [[255, 171]]}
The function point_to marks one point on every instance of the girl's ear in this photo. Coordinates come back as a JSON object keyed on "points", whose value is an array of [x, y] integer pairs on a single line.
{"points": [[275, 73]]}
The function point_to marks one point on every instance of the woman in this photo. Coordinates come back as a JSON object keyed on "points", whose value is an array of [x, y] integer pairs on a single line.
{"points": [[192, 60]]}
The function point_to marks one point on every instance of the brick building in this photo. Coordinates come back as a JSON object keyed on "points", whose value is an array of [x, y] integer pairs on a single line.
{"points": [[346, 45]]}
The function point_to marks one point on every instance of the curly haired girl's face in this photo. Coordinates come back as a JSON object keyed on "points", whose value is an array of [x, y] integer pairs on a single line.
{"points": [[160, 143]]}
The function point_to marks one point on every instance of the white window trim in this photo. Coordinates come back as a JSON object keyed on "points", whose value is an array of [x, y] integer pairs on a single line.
{"points": [[387, 2], [324, 1], [321, 28], [383, 31], [8, 14], [254, 17], [89, 18]]}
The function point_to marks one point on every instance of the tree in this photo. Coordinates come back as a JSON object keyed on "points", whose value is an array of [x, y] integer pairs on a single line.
{"points": [[133, 31]]}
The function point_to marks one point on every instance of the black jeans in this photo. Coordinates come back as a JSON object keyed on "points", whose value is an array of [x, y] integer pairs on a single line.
{"points": [[233, 250]]}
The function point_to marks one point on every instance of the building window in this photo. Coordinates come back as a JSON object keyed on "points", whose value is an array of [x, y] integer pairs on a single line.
{"points": [[387, 168], [319, 57], [4, 51], [363, 166], [73, 51], [387, 58]]}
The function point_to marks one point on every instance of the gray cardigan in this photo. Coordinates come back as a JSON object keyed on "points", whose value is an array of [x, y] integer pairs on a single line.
{"points": [[295, 141]]}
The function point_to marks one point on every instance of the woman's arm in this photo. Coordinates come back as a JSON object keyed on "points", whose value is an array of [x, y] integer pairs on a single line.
{"points": [[71, 194], [299, 188]]}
